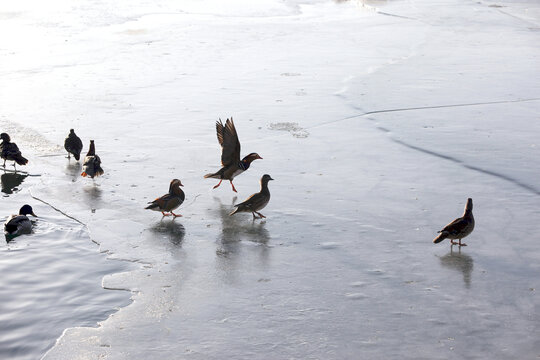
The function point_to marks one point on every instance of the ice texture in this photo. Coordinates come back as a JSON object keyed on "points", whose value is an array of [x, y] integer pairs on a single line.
{"points": [[377, 120]]}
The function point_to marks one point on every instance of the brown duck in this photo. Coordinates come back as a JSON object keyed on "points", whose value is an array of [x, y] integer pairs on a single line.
{"points": [[92, 163], [10, 151], [459, 228], [231, 164], [73, 145], [257, 201], [170, 201]]}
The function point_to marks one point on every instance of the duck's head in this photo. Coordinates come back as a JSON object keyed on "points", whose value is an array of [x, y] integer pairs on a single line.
{"points": [[250, 157], [468, 207], [27, 210], [71, 131], [266, 178], [176, 182], [5, 137]]}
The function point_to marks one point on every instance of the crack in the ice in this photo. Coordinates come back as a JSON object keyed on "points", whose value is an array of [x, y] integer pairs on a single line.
{"points": [[471, 167], [56, 209]]}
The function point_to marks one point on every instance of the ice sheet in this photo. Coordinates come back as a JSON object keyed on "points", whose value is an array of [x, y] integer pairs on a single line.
{"points": [[344, 265]]}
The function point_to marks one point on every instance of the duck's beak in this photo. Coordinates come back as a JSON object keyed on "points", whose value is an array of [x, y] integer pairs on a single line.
{"points": [[34, 215], [258, 157], [270, 179]]}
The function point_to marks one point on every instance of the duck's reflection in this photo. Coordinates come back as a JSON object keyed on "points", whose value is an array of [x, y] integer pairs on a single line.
{"points": [[73, 170], [11, 182], [460, 262], [92, 196], [171, 229], [233, 253]]}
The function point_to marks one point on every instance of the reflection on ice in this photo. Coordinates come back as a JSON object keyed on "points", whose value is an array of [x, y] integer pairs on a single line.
{"points": [[11, 181], [73, 170], [172, 229], [92, 196], [234, 229], [460, 262]]}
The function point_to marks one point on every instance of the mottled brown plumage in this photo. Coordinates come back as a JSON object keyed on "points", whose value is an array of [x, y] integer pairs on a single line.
{"points": [[170, 201], [10, 151], [257, 201], [459, 228], [231, 164], [73, 145], [92, 163]]}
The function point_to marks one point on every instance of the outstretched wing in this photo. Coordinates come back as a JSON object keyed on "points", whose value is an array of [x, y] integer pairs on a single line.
{"points": [[228, 139]]}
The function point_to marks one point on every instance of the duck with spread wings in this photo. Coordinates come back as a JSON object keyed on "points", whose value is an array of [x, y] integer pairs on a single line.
{"points": [[232, 166]]}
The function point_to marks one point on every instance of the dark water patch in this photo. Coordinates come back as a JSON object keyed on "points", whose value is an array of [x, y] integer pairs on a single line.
{"points": [[51, 281]]}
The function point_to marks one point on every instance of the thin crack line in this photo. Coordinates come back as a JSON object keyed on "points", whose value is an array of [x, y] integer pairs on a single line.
{"points": [[56, 209]]}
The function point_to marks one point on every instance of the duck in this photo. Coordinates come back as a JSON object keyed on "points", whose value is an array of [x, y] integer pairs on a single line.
{"points": [[257, 201], [19, 224], [169, 202], [92, 163], [231, 164], [10, 151], [73, 145], [459, 228]]}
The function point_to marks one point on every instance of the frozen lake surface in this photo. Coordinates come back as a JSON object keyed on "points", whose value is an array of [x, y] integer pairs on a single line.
{"points": [[377, 122]]}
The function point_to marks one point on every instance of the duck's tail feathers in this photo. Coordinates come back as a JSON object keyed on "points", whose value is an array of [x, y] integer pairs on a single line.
{"points": [[212, 175], [99, 171], [21, 160], [441, 237], [152, 206], [10, 229]]}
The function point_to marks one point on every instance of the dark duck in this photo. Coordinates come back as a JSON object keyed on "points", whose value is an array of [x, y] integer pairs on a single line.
{"points": [[10, 151], [73, 145], [168, 202], [19, 224], [92, 163], [231, 164], [459, 228], [257, 201]]}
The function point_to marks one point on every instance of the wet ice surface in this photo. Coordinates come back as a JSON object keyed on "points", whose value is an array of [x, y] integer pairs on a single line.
{"points": [[51, 279], [376, 126]]}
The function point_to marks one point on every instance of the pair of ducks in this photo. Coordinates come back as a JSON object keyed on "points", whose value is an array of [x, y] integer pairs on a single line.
{"points": [[232, 166], [91, 163]]}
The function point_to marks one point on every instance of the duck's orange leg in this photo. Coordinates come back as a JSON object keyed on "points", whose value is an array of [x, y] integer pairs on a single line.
{"points": [[460, 244], [261, 215], [233, 189], [218, 183], [165, 214], [175, 215]]}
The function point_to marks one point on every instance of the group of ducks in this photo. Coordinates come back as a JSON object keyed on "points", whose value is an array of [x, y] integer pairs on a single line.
{"points": [[231, 166]]}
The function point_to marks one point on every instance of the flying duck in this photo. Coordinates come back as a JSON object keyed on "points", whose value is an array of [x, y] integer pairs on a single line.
{"points": [[10, 151], [231, 164], [459, 228], [257, 201], [170, 201], [73, 145], [92, 163]]}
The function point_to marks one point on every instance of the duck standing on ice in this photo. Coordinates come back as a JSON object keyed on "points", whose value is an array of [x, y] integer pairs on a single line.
{"points": [[19, 224], [73, 145], [10, 151], [170, 201], [459, 228], [257, 201], [231, 164], [92, 163]]}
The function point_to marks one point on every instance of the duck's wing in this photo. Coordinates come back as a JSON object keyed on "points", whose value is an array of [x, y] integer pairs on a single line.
{"points": [[456, 226], [228, 139]]}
